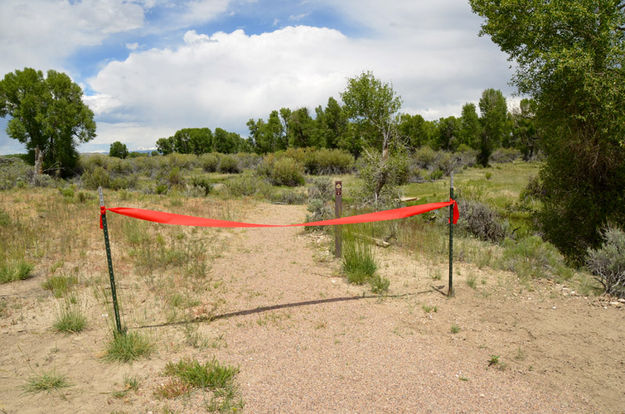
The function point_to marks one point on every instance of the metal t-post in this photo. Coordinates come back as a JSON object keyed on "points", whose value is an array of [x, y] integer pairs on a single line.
{"points": [[450, 292], [110, 264], [338, 211]]}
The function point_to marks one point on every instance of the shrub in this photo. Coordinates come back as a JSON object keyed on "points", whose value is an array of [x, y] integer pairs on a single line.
{"points": [[425, 157], [287, 196], [248, 160], [286, 171], [209, 162], [175, 178], [246, 185], [5, 219], [327, 161], [531, 256], [98, 177], [228, 164], [481, 221], [203, 184], [320, 193], [380, 179], [14, 171], [503, 155], [607, 262]]}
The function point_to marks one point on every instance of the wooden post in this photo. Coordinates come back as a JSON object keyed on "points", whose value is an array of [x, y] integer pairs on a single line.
{"points": [[109, 260], [450, 292], [338, 211]]}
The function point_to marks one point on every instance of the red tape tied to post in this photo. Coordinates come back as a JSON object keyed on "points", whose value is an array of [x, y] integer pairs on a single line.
{"points": [[182, 220]]}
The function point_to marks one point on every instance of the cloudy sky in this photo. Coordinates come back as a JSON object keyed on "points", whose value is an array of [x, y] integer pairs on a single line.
{"points": [[150, 67]]}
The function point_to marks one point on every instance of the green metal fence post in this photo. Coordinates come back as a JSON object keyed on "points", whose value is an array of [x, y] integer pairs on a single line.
{"points": [[450, 292], [110, 264]]}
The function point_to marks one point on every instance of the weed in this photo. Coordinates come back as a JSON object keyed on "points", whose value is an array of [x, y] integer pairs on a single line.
{"points": [[496, 362], [130, 384], [454, 329], [358, 262], [379, 284], [429, 309], [213, 376], [47, 381], [70, 319], [173, 388], [60, 285], [15, 270], [126, 347], [471, 281]]}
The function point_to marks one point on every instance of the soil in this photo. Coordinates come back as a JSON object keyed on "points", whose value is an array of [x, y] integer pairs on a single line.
{"points": [[305, 340]]}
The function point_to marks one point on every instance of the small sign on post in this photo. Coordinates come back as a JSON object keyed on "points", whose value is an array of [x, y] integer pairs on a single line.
{"points": [[338, 211]]}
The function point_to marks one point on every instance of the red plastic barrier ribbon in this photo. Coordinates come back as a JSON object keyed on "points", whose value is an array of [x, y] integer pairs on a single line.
{"points": [[182, 220]]}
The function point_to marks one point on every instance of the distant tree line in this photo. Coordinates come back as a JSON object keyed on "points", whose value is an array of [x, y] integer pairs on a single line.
{"points": [[340, 126], [203, 140]]}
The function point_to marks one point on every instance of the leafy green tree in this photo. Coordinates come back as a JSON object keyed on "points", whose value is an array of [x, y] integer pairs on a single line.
{"points": [[165, 146], [448, 132], [570, 58], [494, 115], [226, 142], [524, 129], [335, 124], [413, 130], [48, 115], [470, 128], [118, 149], [372, 105], [300, 127]]}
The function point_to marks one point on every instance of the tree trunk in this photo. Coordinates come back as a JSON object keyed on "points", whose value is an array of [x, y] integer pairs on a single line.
{"points": [[38, 162]]}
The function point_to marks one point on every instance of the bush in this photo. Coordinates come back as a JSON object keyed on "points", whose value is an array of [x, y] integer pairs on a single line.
{"points": [[98, 177], [481, 221], [380, 179], [13, 172], [503, 155], [209, 162], [320, 193], [533, 257], [246, 185], [202, 184], [607, 262], [228, 164], [282, 171]]}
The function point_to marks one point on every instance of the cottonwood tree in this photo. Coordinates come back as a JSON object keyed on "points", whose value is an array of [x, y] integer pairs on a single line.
{"points": [[570, 58], [118, 149], [493, 118], [373, 105], [48, 116]]}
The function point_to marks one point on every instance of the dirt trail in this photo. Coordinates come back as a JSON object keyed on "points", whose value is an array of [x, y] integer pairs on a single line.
{"points": [[343, 354], [306, 341]]}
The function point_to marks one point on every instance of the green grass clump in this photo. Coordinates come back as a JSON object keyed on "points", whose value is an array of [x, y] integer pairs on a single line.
{"points": [[126, 347], [15, 270], [46, 382], [533, 257], [60, 285], [358, 261], [212, 375], [70, 320], [359, 265]]}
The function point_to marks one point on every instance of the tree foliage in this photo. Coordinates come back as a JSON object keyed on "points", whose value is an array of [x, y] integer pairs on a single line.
{"points": [[47, 114], [118, 149], [570, 58], [373, 105], [493, 112]]}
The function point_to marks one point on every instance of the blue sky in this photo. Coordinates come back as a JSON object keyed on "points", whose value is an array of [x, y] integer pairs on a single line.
{"points": [[150, 67]]}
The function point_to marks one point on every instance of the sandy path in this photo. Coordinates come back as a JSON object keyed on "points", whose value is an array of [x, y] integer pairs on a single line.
{"points": [[360, 355]]}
